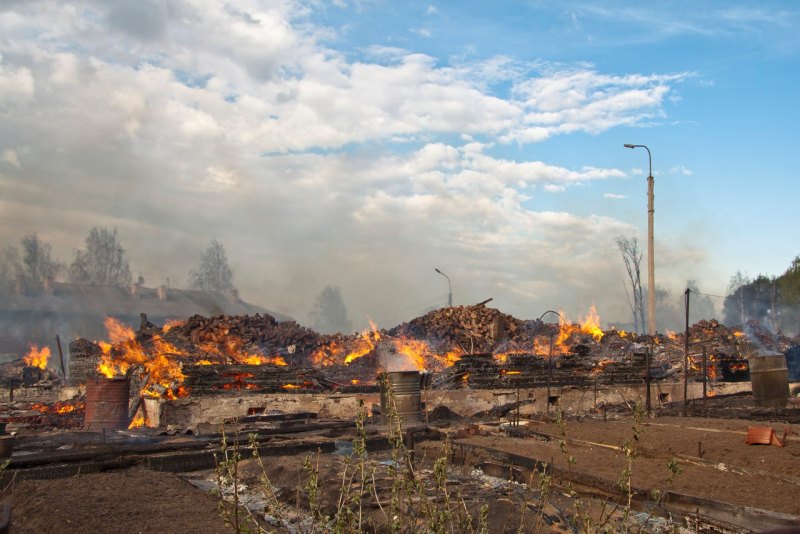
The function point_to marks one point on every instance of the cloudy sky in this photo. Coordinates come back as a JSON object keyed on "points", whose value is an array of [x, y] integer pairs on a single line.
{"points": [[361, 144]]}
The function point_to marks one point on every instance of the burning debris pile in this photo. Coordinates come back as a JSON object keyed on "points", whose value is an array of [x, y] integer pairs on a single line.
{"points": [[31, 370], [467, 346]]}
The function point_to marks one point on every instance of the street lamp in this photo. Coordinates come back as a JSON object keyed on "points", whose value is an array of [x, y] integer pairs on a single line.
{"points": [[651, 268], [550, 358], [449, 286]]}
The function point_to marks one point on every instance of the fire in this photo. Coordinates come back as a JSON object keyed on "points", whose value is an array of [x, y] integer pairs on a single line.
{"points": [[58, 407], [239, 381], [421, 357], [138, 421], [506, 372], [591, 325], [600, 366], [327, 355], [711, 393], [738, 367], [172, 323], [355, 381], [364, 344], [291, 386], [671, 334], [36, 357]]}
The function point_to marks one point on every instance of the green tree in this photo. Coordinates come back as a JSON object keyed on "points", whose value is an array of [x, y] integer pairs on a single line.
{"points": [[214, 274], [37, 264], [103, 263], [10, 267], [329, 314]]}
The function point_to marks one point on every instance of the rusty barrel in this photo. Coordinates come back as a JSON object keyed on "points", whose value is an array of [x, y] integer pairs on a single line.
{"points": [[107, 403], [770, 379], [406, 389]]}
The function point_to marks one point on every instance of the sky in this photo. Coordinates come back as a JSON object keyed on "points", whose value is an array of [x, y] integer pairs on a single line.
{"points": [[364, 144]]}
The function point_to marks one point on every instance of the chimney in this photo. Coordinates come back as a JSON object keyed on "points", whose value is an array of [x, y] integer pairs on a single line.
{"points": [[135, 287], [47, 285], [161, 292]]}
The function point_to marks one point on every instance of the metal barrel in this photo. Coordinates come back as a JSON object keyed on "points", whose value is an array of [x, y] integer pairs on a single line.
{"points": [[107, 403], [406, 389], [770, 380]]}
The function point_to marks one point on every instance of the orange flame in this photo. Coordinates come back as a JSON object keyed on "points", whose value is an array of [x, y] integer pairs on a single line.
{"points": [[291, 386], [36, 357], [138, 421], [600, 367], [591, 325]]}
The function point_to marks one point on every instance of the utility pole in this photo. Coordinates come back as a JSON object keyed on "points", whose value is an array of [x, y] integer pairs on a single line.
{"points": [[651, 265], [686, 358]]}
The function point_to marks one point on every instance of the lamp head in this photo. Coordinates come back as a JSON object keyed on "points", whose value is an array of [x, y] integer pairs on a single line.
{"points": [[437, 270], [628, 145]]}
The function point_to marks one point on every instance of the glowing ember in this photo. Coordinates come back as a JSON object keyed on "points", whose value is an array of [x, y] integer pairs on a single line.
{"points": [[355, 381], [600, 367], [239, 381], [36, 357], [291, 386]]}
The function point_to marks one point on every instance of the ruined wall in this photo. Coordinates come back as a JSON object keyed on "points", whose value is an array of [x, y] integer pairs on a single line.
{"points": [[215, 409]]}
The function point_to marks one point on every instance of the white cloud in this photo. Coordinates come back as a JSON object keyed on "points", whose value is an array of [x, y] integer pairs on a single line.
{"points": [[614, 196], [198, 120], [680, 169]]}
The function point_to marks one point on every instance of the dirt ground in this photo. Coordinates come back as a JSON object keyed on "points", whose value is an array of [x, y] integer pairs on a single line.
{"points": [[119, 502], [715, 462]]}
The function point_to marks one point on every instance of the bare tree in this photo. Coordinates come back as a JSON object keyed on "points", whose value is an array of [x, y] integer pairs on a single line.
{"points": [[103, 263], [214, 274], [632, 256]]}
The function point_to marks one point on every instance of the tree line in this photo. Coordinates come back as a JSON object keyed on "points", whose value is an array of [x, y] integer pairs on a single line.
{"points": [[102, 262], [771, 300]]}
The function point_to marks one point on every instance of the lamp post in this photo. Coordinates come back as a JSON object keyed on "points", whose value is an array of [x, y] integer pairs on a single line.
{"points": [[550, 360], [449, 287], [651, 268]]}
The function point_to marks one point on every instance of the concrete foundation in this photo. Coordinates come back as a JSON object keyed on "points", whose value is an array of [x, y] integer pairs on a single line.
{"points": [[215, 409]]}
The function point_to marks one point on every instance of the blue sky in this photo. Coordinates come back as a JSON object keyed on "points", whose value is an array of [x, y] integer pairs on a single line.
{"points": [[361, 144]]}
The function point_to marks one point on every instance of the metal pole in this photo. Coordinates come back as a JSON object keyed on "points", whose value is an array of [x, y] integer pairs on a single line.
{"points": [[648, 357], [549, 372], [449, 288], [686, 358], [651, 262]]}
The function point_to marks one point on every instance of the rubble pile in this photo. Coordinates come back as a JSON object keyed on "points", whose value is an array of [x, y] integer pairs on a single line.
{"points": [[465, 346], [223, 334], [472, 329]]}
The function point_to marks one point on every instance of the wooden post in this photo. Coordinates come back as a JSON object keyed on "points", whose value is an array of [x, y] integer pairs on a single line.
{"points": [[61, 355], [686, 359], [705, 370]]}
